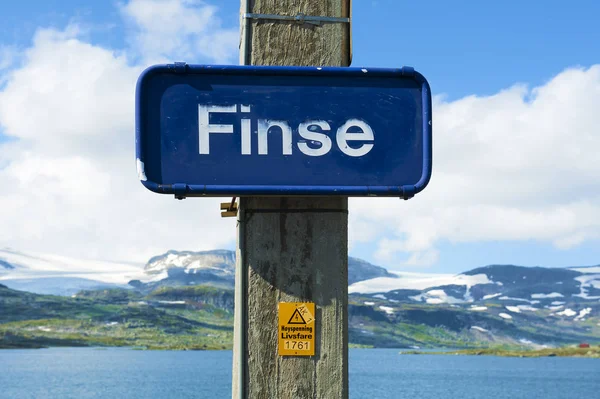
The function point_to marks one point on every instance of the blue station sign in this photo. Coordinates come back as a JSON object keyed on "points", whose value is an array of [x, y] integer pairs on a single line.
{"points": [[206, 130]]}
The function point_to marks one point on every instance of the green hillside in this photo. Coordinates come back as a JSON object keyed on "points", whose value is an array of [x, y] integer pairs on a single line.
{"points": [[110, 318], [201, 317]]}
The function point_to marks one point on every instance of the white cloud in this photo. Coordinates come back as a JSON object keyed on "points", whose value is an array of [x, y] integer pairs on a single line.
{"points": [[423, 258], [519, 165], [8, 54], [421, 253], [69, 181], [179, 30], [386, 248], [69, 97]]}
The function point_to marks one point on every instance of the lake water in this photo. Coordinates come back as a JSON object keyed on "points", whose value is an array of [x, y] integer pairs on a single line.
{"points": [[80, 373]]}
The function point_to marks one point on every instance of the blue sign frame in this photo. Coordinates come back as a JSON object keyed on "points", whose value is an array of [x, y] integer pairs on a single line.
{"points": [[401, 168]]}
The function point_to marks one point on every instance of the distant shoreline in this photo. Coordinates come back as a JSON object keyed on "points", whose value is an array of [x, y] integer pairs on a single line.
{"points": [[592, 352]]}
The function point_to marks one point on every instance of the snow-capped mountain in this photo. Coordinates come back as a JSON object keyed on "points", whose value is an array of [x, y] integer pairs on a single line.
{"points": [[174, 268], [530, 306], [217, 267], [532, 285], [415, 282], [511, 293], [52, 274], [506, 285], [220, 261]]}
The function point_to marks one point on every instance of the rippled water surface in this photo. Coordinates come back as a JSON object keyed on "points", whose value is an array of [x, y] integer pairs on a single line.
{"points": [[374, 373]]}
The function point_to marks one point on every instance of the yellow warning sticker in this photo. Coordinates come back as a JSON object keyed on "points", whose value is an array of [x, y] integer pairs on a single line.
{"points": [[296, 329]]}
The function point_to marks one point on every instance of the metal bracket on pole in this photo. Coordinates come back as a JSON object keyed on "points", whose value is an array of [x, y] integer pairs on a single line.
{"points": [[299, 18], [229, 209]]}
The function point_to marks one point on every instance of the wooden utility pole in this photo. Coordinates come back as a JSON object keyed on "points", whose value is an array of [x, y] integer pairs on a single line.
{"points": [[292, 249]]}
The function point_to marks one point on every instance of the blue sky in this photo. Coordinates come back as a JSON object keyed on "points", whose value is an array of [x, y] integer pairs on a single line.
{"points": [[466, 47], [503, 67]]}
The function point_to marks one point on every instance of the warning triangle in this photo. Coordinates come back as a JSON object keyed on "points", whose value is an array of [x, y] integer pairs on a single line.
{"points": [[296, 318]]}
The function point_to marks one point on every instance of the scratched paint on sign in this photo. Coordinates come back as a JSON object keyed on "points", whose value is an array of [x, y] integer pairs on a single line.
{"points": [[292, 131], [297, 330]]}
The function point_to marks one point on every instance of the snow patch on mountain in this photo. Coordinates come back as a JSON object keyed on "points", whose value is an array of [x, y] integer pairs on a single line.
{"points": [[387, 309], [588, 281], [567, 312], [527, 307], [436, 297], [587, 270], [36, 265], [218, 261], [476, 308], [507, 298], [547, 296], [583, 313], [416, 281], [491, 296]]}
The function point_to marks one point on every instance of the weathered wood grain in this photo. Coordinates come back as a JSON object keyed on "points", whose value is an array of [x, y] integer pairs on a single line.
{"points": [[290, 256]]}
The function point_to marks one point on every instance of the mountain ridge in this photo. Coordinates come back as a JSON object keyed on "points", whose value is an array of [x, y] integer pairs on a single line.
{"points": [[217, 267], [494, 304]]}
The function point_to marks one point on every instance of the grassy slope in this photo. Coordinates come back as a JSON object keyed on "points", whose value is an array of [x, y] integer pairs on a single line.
{"points": [[109, 318], [593, 352], [451, 326], [204, 321]]}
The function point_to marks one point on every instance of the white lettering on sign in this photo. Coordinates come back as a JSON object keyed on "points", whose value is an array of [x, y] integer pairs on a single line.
{"points": [[322, 138], [313, 131], [206, 128], [343, 136], [246, 126], [263, 130]]}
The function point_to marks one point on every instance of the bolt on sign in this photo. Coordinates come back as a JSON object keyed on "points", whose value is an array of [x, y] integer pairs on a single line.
{"points": [[297, 329]]}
